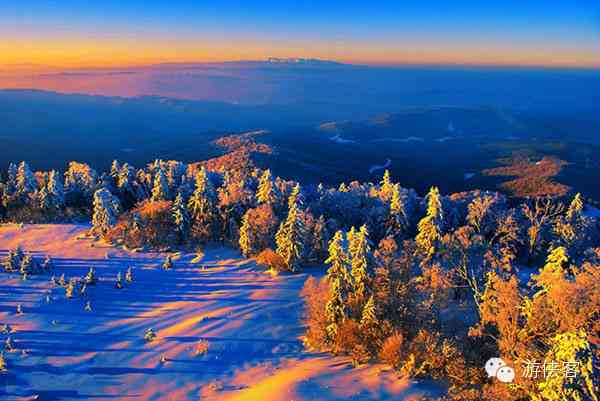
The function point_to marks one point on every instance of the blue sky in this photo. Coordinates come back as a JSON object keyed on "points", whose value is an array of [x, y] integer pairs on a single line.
{"points": [[389, 32]]}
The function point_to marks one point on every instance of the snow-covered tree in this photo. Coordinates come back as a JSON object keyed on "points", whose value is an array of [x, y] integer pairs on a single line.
{"points": [[160, 189], [368, 318], [360, 253], [430, 226], [295, 197], [290, 238], [202, 206], [386, 186], [339, 284], [266, 189], [245, 240], [11, 182], [80, 179], [56, 192], [115, 168], [26, 182], [181, 217], [397, 221], [106, 210]]}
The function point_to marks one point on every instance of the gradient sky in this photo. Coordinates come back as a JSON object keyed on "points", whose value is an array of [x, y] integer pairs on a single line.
{"points": [[111, 33]]}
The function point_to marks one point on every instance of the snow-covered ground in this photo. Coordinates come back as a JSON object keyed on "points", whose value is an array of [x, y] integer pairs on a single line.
{"points": [[251, 321]]}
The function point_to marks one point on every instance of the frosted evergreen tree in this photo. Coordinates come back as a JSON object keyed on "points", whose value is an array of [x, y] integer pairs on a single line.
{"points": [[27, 265], [11, 182], [80, 178], [295, 197], [14, 259], [360, 253], [290, 238], [369, 316], [56, 192], [160, 189], [115, 170], [386, 186], [339, 284], [397, 222], [106, 209], [181, 217], [202, 206], [266, 189], [125, 180], [26, 182], [43, 199], [319, 240], [245, 241], [430, 226]]}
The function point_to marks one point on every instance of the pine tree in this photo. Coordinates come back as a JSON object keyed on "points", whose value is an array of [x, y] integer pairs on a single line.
{"points": [[386, 186], [56, 192], [181, 217], [114, 170], [43, 199], [295, 197], [290, 238], [397, 222], [430, 226], [266, 189], [202, 206], [339, 284], [27, 265], [160, 189], [106, 209], [25, 180], [319, 240], [11, 183], [553, 271], [245, 241], [369, 315], [360, 253]]}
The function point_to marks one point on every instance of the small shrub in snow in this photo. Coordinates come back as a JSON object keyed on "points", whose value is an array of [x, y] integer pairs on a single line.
{"points": [[150, 335], [119, 281], [90, 278], [202, 348], [168, 264], [129, 276]]}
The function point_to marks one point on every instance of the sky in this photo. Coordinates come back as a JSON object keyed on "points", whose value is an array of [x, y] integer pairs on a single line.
{"points": [[119, 33]]}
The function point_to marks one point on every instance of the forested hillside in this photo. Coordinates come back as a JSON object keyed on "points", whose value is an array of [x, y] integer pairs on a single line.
{"points": [[432, 285]]}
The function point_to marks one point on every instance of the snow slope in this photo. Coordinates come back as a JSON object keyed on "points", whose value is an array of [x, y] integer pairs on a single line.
{"points": [[251, 321]]}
